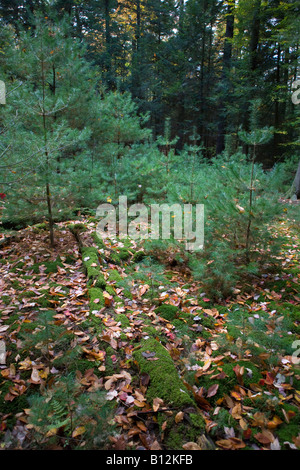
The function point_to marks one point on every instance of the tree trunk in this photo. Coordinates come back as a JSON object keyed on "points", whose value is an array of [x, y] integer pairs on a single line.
{"points": [[108, 67], [226, 67], [46, 152], [297, 182]]}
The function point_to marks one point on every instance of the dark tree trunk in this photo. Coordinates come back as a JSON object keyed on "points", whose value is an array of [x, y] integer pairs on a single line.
{"points": [[297, 182], [226, 67]]}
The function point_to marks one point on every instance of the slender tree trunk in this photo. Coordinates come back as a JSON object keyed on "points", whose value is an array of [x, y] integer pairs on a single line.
{"points": [[225, 81], [181, 16], [46, 151], [251, 189], [253, 51], [108, 44], [255, 33], [136, 55], [297, 182], [277, 107]]}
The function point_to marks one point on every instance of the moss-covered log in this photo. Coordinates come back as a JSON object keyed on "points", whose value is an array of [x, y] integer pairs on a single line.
{"points": [[153, 359]]}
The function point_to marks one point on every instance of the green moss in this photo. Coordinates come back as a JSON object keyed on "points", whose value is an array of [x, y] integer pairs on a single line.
{"points": [[115, 276], [150, 330], [82, 365], [6, 299], [16, 285], [69, 259], [167, 311], [223, 419], [90, 258], [27, 294], [79, 227], [110, 366], [12, 318], [40, 227], [89, 252], [197, 421], [182, 328], [279, 410], [138, 256], [164, 379], [100, 282], [226, 385], [51, 266], [125, 323], [208, 322], [98, 240], [287, 432], [119, 257], [15, 406], [126, 293], [18, 266], [110, 290], [186, 431], [96, 294]]}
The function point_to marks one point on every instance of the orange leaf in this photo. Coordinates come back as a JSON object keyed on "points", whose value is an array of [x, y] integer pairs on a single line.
{"points": [[179, 417], [231, 444], [274, 423], [78, 431], [157, 402], [139, 403]]}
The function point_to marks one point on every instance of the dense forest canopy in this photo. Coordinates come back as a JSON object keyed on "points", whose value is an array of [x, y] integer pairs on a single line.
{"points": [[199, 63], [132, 339]]}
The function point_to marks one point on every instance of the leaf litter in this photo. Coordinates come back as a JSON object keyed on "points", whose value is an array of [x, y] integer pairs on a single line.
{"points": [[249, 412]]}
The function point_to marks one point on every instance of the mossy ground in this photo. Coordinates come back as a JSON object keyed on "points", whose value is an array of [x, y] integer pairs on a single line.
{"points": [[165, 382], [153, 359], [190, 351]]}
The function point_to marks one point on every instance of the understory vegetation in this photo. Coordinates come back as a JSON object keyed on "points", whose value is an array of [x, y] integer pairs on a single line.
{"points": [[183, 113], [118, 344]]}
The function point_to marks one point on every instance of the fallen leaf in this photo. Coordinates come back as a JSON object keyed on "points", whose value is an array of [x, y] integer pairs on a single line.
{"points": [[35, 377], [111, 395], [207, 365], [191, 446], [157, 402], [264, 437], [179, 417], [78, 431], [212, 390], [155, 446], [231, 444]]}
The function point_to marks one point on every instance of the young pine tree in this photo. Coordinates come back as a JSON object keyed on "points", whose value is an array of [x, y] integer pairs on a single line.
{"points": [[50, 105]]}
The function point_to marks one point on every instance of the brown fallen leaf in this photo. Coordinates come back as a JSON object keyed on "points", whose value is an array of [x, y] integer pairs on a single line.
{"points": [[231, 444], [179, 417], [212, 390], [191, 446], [157, 402], [155, 446], [202, 402], [108, 299], [264, 437], [143, 289]]}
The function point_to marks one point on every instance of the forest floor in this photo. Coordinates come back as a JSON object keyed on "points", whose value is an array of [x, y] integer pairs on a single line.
{"points": [[174, 369]]}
